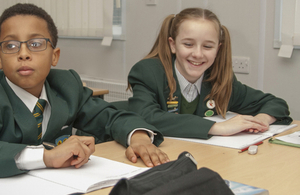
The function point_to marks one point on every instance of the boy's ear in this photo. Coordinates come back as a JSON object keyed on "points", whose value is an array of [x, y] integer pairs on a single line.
{"points": [[0, 64], [55, 56]]}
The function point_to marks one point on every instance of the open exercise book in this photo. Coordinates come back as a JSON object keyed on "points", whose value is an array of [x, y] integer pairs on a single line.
{"points": [[243, 189], [240, 140], [96, 174]]}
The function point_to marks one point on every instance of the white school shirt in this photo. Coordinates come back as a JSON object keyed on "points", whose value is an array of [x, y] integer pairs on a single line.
{"points": [[31, 157], [188, 90]]}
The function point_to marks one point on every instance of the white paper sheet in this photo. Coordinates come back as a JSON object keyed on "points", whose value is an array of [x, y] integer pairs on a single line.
{"points": [[240, 140], [293, 138]]}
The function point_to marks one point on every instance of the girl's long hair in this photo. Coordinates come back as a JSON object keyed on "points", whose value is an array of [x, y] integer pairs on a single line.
{"points": [[220, 74]]}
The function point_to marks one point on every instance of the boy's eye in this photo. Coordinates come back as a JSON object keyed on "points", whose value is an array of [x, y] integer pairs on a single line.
{"points": [[35, 44], [11, 46]]}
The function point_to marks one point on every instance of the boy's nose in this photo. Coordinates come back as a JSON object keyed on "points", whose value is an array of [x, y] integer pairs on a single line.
{"points": [[24, 53]]}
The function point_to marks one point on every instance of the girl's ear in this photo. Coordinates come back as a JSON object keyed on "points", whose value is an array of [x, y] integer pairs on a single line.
{"points": [[172, 45], [219, 46], [55, 56]]}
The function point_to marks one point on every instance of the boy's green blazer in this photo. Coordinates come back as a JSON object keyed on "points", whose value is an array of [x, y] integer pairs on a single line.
{"points": [[150, 95], [71, 106]]}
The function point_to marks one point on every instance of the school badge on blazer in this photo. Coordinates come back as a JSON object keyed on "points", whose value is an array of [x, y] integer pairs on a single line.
{"points": [[173, 105], [61, 139]]}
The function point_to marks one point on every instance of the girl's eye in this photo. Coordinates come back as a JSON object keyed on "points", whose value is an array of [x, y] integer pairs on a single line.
{"points": [[188, 44]]}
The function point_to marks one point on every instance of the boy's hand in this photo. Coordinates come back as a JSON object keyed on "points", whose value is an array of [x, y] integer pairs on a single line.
{"points": [[75, 151], [141, 146]]}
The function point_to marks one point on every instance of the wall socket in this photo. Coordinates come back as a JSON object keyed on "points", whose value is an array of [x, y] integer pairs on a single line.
{"points": [[241, 64]]}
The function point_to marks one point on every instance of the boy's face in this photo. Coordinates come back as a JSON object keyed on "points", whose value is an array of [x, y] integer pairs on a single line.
{"points": [[26, 68]]}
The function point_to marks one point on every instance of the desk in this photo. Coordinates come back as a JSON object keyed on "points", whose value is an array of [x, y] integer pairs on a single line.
{"points": [[274, 167], [99, 92]]}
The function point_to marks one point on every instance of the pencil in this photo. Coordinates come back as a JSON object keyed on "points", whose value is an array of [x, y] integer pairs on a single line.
{"points": [[244, 149]]}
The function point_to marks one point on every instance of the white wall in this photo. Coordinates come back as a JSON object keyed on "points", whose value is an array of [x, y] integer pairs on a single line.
{"points": [[281, 75], [250, 22]]}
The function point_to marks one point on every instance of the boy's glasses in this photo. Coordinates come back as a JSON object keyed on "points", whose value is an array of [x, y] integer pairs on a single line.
{"points": [[37, 44]]}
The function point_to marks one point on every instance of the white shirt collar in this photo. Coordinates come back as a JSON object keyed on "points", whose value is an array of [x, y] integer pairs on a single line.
{"points": [[185, 83], [28, 99]]}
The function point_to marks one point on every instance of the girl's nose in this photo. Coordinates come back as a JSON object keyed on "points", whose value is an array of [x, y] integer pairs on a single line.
{"points": [[198, 53]]}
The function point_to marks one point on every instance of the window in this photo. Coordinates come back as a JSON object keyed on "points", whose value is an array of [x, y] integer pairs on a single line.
{"points": [[84, 19], [287, 23]]}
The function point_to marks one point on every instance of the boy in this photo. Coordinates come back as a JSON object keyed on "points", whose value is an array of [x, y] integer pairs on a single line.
{"points": [[28, 39]]}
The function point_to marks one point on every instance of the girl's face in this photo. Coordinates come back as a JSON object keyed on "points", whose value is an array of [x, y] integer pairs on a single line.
{"points": [[196, 47]]}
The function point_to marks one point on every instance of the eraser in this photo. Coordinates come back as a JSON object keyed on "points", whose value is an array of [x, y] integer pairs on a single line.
{"points": [[252, 149]]}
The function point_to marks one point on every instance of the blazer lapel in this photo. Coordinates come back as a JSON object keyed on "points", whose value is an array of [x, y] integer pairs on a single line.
{"points": [[205, 90], [177, 93], [59, 113], [25, 120]]}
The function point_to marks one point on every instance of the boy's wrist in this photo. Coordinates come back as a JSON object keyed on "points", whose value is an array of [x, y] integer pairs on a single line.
{"points": [[30, 158], [140, 136], [148, 132]]}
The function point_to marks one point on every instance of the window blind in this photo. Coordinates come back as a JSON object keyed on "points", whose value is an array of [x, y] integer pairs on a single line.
{"points": [[80, 18]]}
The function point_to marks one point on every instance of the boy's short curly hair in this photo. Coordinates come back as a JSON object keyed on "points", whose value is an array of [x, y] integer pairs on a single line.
{"points": [[30, 9]]}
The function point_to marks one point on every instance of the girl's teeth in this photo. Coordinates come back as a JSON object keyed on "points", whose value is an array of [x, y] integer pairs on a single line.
{"points": [[195, 63]]}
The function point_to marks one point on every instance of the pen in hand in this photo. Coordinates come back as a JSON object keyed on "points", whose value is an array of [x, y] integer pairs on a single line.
{"points": [[49, 146]]}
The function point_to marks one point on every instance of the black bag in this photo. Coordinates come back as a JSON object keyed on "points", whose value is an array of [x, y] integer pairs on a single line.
{"points": [[176, 177]]}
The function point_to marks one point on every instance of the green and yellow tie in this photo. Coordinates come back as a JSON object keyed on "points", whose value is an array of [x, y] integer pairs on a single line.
{"points": [[38, 114]]}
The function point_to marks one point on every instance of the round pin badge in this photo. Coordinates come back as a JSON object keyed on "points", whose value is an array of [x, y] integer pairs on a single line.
{"points": [[209, 113], [211, 104]]}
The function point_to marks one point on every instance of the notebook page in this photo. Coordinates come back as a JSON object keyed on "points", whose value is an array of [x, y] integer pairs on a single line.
{"points": [[96, 174], [29, 185]]}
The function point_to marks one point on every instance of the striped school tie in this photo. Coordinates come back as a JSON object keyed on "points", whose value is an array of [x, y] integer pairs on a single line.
{"points": [[38, 114]]}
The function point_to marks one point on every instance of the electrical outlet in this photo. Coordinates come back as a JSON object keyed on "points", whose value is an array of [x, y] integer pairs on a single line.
{"points": [[151, 2], [241, 64]]}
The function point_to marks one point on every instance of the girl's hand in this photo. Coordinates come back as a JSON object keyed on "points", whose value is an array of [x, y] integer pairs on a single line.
{"points": [[259, 123], [265, 119]]}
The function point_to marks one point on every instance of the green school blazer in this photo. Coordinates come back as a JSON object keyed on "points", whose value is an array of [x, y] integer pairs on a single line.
{"points": [[150, 96], [71, 106]]}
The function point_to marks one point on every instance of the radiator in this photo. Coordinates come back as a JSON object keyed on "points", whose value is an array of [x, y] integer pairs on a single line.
{"points": [[117, 91]]}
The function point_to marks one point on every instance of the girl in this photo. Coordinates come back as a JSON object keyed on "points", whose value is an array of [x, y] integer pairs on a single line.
{"points": [[188, 75]]}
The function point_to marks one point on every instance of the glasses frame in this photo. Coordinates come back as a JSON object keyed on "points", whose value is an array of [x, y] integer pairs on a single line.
{"points": [[47, 40]]}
